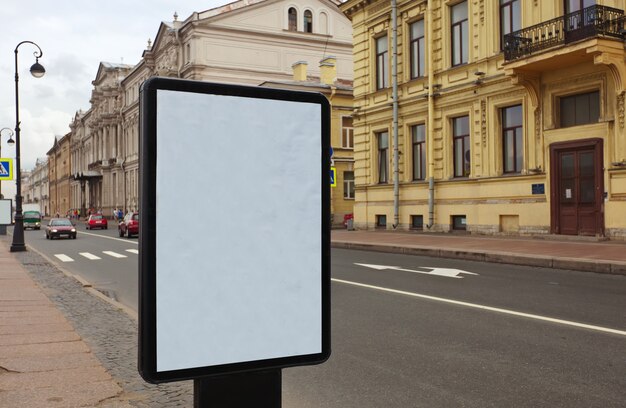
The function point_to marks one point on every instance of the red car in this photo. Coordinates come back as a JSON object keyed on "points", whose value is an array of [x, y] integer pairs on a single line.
{"points": [[129, 226], [96, 221], [58, 227]]}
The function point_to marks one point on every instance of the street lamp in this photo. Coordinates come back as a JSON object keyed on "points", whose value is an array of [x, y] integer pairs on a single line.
{"points": [[10, 141], [37, 70]]}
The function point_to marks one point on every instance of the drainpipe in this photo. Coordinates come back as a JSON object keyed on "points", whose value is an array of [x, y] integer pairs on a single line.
{"points": [[431, 121], [394, 97], [124, 176]]}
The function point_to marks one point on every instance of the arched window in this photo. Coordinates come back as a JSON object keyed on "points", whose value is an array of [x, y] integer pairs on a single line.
{"points": [[292, 19], [308, 21]]}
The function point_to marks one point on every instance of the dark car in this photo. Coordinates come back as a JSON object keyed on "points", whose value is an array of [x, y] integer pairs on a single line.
{"points": [[96, 221], [58, 227], [129, 226]]}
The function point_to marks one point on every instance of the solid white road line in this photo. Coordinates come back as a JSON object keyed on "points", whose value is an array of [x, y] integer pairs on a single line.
{"points": [[491, 309], [133, 251], [89, 256], [64, 258], [114, 254], [128, 241]]}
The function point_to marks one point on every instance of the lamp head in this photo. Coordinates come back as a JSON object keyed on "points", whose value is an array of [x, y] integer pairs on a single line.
{"points": [[37, 70], [11, 141]]}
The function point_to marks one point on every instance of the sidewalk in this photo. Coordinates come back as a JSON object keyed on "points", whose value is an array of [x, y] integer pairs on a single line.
{"points": [[43, 361], [547, 252]]}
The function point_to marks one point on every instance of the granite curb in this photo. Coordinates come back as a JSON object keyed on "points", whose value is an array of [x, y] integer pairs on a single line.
{"points": [[578, 264]]}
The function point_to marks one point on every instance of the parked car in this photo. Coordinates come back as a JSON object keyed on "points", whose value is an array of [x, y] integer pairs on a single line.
{"points": [[96, 221], [58, 227], [129, 226]]}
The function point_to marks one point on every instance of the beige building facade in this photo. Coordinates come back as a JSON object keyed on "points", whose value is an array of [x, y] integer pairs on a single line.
{"points": [[245, 42], [38, 189], [494, 117]]}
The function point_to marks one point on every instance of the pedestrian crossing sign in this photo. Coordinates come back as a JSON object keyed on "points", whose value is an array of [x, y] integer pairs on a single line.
{"points": [[6, 169], [333, 177]]}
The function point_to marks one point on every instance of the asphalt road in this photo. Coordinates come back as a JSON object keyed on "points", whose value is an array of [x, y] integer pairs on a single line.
{"points": [[100, 257], [493, 336], [399, 348]]}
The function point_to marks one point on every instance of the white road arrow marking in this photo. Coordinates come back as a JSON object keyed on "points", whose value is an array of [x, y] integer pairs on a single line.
{"points": [[447, 272]]}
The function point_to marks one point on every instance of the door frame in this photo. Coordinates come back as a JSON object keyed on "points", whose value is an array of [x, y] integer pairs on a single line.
{"points": [[597, 145]]}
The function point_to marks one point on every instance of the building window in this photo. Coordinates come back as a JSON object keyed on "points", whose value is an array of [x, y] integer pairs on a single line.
{"points": [[348, 185], [347, 132], [417, 222], [580, 109], [460, 136], [381, 221], [512, 131], [459, 34], [383, 157], [418, 135], [510, 18], [577, 5], [417, 49], [459, 223], [292, 19], [308, 21], [382, 61]]}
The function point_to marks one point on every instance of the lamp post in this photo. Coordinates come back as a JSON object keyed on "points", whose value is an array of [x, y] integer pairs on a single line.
{"points": [[37, 70], [10, 141]]}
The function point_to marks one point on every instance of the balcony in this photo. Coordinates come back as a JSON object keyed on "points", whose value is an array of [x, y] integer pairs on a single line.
{"points": [[591, 22]]}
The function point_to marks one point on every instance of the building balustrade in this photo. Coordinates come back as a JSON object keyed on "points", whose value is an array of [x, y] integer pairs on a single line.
{"points": [[587, 23]]}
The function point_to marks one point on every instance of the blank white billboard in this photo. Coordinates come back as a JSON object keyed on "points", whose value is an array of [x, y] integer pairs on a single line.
{"points": [[238, 231], [5, 212]]}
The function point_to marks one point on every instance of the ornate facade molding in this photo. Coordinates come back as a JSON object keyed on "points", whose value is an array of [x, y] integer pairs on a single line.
{"points": [[531, 82]]}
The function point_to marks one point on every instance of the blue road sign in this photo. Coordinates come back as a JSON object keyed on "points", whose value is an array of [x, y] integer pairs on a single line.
{"points": [[333, 177], [6, 169]]}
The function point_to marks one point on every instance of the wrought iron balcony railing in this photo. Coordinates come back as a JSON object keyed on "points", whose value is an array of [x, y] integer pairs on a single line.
{"points": [[587, 23]]}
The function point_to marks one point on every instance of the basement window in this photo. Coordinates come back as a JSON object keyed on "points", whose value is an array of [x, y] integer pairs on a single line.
{"points": [[417, 222], [381, 221], [459, 223]]}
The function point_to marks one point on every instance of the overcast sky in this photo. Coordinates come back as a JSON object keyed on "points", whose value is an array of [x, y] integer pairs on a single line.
{"points": [[74, 37]]}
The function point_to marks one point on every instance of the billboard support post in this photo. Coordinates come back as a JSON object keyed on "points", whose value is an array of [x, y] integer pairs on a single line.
{"points": [[241, 390]]}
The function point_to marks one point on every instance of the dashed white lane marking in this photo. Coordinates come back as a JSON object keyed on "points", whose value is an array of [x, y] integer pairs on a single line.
{"points": [[89, 256], [492, 309], [64, 258], [133, 251], [114, 254]]}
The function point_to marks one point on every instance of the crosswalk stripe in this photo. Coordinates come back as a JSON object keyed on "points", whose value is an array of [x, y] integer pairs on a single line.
{"points": [[114, 254], [64, 258], [89, 256], [133, 251]]}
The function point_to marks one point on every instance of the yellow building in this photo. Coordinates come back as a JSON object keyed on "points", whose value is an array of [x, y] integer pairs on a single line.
{"points": [[59, 165], [490, 116], [339, 94]]}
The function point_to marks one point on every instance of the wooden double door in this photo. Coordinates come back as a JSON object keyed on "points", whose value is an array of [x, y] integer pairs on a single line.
{"points": [[577, 188]]}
